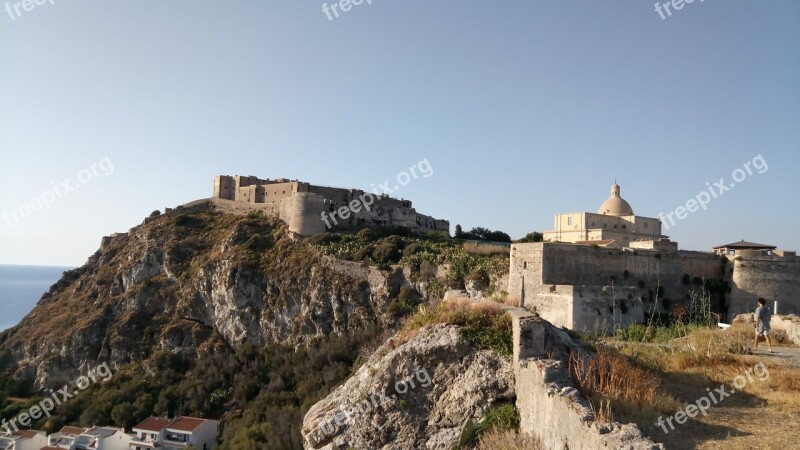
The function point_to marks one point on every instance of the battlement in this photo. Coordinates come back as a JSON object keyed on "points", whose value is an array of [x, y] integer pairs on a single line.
{"points": [[304, 206]]}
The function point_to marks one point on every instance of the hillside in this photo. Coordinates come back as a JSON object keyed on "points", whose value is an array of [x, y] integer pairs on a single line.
{"points": [[203, 313]]}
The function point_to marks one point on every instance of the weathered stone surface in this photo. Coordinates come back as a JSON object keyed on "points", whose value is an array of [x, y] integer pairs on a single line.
{"points": [[550, 407], [453, 381]]}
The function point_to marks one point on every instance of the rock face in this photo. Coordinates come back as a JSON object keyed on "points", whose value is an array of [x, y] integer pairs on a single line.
{"points": [[419, 395], [187, 282]]}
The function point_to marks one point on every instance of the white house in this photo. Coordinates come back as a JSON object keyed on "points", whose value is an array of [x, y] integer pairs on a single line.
{"points": [[177, 434], [95, 438], [65, 438], [23, 440]]}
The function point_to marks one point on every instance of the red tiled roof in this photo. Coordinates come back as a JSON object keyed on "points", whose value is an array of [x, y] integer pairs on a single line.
{"points": [[186, 424], [153, 424], [25, 434], [75, 431]]}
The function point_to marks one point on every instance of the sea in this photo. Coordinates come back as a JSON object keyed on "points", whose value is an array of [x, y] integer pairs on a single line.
{"points": [[21, 287]]}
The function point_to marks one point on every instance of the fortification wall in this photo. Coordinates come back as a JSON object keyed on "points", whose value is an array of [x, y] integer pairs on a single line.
{"points": [[550, 407], [582, 287], [309, 209], [234, 207], [591, 308], [586, 265], [774, 278]]}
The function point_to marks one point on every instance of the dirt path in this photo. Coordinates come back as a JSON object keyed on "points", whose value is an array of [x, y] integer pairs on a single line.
{"points": [[743, 420]]}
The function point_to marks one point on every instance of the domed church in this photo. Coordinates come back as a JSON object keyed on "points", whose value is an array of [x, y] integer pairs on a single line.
{"points": [[614, 225]]}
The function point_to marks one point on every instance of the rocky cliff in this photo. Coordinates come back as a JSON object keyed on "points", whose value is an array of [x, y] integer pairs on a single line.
{"points": [[188, 282]]}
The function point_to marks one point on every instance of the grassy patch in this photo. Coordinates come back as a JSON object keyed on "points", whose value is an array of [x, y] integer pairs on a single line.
{"points": [[484, 325]]}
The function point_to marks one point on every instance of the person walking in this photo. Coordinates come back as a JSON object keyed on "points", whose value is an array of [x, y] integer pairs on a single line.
{"points": [[762, 317]]}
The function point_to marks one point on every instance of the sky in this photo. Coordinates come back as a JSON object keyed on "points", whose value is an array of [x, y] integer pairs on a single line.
{"points": [[522, 109]]}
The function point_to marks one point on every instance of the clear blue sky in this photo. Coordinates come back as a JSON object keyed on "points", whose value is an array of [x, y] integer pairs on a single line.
{"points": [[523, 108]]}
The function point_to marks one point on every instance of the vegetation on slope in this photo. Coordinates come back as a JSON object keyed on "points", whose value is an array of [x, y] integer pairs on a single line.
{"points": [[261, 392]]}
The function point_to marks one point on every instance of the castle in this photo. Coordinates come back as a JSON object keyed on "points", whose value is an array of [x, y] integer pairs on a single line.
{"points": [[613, 268], [614, 221], [309, 209]]}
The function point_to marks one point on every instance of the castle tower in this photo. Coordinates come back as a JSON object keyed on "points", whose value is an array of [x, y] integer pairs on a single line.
{"points": [[303, 213]]}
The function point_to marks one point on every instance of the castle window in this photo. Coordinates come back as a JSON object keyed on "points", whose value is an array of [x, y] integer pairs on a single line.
{"points": [[605, 225], [645, 224], [525, 265], [592, 224], [624, 227], [615, 226], [569, 221]]}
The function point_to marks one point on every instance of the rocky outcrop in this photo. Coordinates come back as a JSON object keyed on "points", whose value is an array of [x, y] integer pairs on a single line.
{"points": [[187, 282], [419, 395]]}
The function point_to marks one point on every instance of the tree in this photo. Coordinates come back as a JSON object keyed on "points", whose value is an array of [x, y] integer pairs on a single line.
{"points": [[485, 234], [122, 415], [532, 237], [459, 231]]}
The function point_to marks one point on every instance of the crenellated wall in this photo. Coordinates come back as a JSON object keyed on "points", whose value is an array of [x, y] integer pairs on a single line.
{"points": [[310, 209]]}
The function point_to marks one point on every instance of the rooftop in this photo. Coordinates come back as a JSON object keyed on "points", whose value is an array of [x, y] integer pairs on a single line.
{"points": [[153, 424], [746, 245], [187, 424]]}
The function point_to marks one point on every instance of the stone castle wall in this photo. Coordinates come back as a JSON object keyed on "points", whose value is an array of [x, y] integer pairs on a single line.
{"points": [[773, 278], [584, 288], [550, 407], [310, 209]]}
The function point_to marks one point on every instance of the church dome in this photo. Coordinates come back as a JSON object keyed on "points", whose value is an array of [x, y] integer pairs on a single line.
{"points": [[615, 205]]}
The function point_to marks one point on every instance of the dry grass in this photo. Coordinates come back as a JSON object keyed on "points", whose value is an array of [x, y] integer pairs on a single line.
{"points": [[617, 389], [506, 300], [476, 248], [708, 358], [508, 440]]}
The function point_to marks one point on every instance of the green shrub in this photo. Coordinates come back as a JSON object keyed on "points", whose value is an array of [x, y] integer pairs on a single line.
{"points": [[503, 417], [386, 252]]}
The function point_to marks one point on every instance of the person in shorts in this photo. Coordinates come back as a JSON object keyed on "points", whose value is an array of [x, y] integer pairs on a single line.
{"points": [[762, 317]]}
